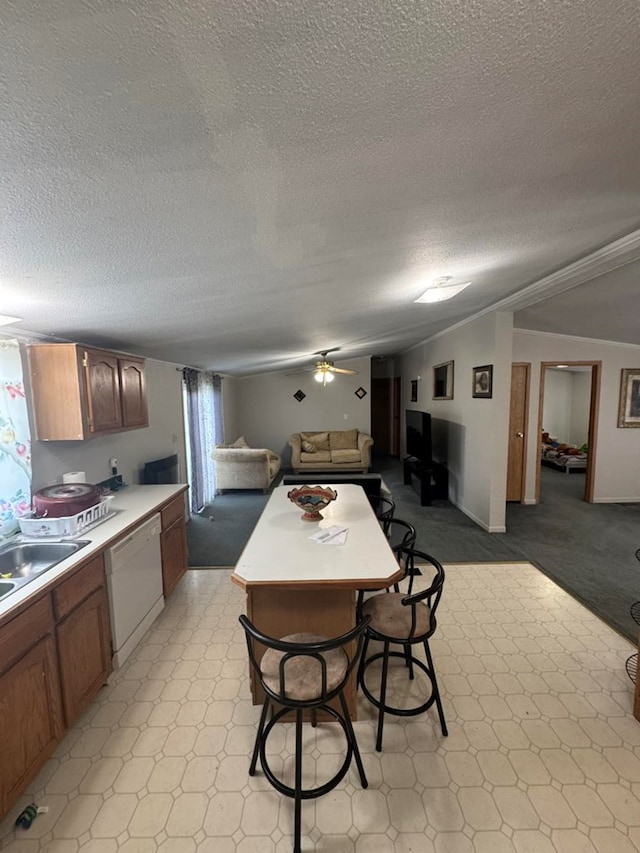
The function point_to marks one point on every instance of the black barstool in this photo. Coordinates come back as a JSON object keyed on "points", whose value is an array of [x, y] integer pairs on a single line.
{"points": [[384, 509], [402, 537], [304, 671], [404, 619]]}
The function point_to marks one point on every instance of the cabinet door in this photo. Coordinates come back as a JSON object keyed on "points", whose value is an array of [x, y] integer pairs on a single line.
{"points": [[31, 718], [84, 648], [173, 541], [103, 391], [134, 393]]}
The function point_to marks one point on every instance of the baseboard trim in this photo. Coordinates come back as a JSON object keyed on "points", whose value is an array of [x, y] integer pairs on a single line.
{"points": [[489, 529], [616, 500]]}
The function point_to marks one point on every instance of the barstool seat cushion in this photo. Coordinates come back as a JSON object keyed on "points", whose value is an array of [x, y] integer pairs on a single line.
{"points": [[391, 618], [303, 674]]}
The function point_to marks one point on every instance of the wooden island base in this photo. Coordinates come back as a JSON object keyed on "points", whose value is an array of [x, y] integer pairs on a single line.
{"points": [[278, 611]]}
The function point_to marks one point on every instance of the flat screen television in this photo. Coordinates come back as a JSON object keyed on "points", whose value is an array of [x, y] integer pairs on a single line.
{"points": [[418, 444]]}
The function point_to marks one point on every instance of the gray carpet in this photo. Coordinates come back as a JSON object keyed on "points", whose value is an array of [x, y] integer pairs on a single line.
{"points": [[588, 549]]}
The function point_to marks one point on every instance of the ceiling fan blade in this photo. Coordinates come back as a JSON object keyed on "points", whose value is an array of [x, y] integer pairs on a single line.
{"points": [[343, 370], [302, 370]]}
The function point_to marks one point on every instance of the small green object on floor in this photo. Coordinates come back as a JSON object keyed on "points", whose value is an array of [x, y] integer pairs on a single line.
{"points": [[29, 814]]}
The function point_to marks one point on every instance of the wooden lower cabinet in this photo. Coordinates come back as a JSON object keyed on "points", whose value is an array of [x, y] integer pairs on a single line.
{"points": [[30, 706], [173, 542], [84, 650], [54, 657]]}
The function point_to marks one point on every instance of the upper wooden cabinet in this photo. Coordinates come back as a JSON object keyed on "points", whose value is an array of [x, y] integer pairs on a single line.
{"points": [[79, 392]]}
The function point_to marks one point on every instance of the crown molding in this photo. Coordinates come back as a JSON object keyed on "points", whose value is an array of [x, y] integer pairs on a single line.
{"points": [[576, 338], [618, 254], [611, 257]]}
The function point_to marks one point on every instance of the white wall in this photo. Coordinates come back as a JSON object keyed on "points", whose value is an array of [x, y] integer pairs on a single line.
{"points": [[163, 436], [567, 395], [558, 389], [476, 429], [230, 409], [264, 410], [580, 403], [618, 451]]}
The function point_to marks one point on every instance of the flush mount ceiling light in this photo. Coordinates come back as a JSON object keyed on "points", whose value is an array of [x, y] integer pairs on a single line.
{"points": [[440, 291], [6, 320]]}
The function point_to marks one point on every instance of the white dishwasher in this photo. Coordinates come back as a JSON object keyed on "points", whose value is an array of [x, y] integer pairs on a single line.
{"points": [[134, 582]]}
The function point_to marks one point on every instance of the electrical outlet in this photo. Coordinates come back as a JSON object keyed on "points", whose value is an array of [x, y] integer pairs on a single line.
{"points": [[346, 417]]}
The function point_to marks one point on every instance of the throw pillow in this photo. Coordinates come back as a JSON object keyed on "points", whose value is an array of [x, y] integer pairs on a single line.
{"points": [[308, 447], [319, 439], [346, 439], [240, 442]]}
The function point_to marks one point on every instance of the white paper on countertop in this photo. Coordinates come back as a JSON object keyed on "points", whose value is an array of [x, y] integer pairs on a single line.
{"points": [[334, 535]]}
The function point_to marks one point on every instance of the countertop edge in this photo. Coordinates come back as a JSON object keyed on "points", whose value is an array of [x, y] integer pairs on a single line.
{"points": [[132, 506]]}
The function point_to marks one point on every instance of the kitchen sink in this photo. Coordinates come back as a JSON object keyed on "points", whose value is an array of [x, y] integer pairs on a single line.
{"points": [[6, 587], [20, 562]]}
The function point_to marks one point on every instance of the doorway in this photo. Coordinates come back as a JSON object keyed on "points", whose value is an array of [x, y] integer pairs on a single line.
{"points": [[385, 407], [567, 426]]}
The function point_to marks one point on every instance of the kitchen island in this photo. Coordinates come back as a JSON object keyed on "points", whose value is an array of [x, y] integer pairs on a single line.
{"points": [[295, 584]]}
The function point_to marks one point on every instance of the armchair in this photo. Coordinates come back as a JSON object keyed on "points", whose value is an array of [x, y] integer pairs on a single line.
{"points": [[245, 468]]}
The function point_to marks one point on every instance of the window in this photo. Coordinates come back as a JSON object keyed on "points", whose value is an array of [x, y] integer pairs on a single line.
{"points": [[15, 440]]}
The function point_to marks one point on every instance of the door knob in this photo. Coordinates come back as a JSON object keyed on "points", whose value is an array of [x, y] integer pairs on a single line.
{"points": [[520, 434]]}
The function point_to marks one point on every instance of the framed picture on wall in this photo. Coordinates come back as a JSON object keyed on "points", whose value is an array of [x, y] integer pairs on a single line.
{"points": [[414, 390], [443, 381], [629, 405], [482, 383]]}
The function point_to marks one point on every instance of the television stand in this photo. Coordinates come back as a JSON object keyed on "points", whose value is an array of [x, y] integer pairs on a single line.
{"points": [[432, 477]]}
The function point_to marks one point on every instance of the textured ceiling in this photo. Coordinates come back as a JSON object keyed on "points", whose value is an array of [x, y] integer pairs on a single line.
{"points": [[235, 185]]}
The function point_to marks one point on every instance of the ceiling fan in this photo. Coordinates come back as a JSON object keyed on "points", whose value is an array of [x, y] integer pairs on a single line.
{"points": [[324, 369]]}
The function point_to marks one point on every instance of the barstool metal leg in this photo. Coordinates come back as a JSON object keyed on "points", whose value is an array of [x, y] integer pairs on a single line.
{"points": [[354, 742], [436, 691], [409, 660], [297, 820], [383, 695], [363, 658], [256, 748]]}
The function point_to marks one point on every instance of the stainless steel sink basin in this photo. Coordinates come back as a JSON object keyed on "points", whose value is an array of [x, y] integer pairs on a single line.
{"points": [[20, 562]]}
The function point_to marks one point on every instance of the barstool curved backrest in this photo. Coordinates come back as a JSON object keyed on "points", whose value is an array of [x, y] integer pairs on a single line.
{"points": [[430, 596], [384, 509], [322, 683], [401, 535]]}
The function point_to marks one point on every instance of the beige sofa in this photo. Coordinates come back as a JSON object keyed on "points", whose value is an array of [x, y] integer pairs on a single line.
{"points": [[244, 467], [332, 450]]}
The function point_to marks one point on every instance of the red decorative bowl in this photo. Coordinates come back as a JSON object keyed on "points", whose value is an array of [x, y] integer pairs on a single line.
{"points": [[311, 499]]}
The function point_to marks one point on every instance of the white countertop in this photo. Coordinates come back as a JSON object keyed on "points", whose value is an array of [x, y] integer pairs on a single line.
{"points": [[280, 550], [130, 505]]}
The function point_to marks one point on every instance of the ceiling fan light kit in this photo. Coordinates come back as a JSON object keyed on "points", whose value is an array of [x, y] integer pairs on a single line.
{"points": [[441, 291], [324, 370], [323, 375]]}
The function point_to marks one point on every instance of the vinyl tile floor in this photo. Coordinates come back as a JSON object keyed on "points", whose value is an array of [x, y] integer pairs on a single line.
{"points": [[543, 753]]}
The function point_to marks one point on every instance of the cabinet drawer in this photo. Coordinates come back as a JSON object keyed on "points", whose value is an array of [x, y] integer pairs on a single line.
{"points": [[172, 511], [73, 591], [25, 630]]}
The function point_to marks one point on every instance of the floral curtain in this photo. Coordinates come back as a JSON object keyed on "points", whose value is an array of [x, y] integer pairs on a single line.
{"points": [[204, 426], [15, 440]]}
